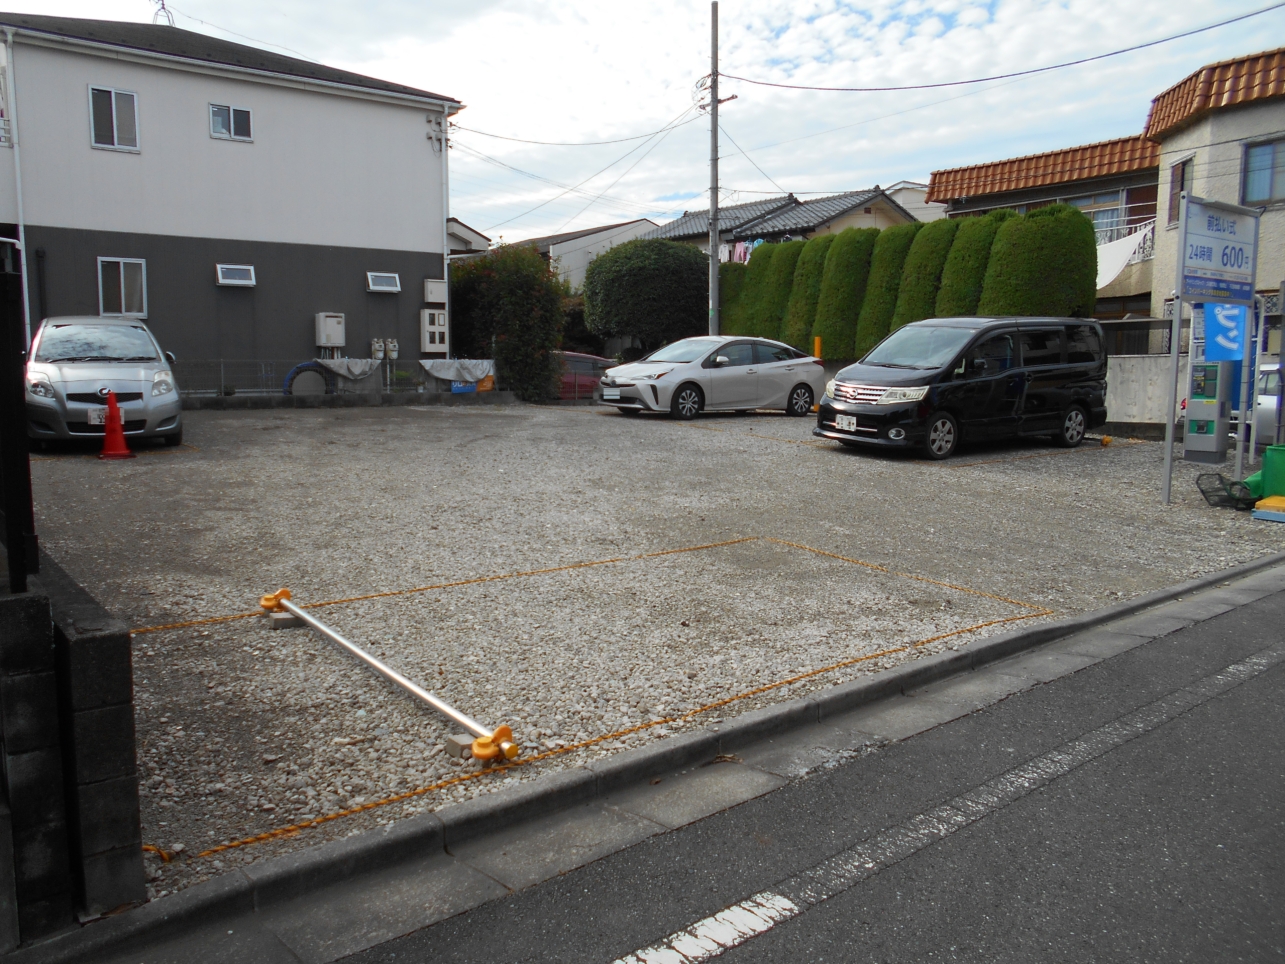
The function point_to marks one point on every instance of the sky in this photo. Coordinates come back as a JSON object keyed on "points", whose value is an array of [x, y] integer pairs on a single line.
{"points": [[581, 72]]}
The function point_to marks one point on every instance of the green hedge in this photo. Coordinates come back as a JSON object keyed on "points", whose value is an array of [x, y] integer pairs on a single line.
{"points": [[965, 270], [800, 313], [843, 288], [886, 264], [651, 289], [768, 311], [731, 281], [738, 320], [921, 276], [1045, 263]]}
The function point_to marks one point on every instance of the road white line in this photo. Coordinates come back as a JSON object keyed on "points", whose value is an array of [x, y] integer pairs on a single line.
{"points": [[708, 938]]}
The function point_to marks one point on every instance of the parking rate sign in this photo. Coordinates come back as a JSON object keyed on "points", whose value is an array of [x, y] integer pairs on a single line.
{"points": [[1219, 252]]}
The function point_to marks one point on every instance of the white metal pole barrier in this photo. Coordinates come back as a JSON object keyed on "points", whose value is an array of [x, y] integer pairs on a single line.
{"points": [[487, 744]]}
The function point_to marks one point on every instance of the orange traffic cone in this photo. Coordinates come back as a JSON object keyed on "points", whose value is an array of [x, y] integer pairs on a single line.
{"points": [[114, 446]]}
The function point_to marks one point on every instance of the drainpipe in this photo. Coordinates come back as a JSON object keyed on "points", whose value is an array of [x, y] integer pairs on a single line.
{"points": [[446, 231], [17, 174]]}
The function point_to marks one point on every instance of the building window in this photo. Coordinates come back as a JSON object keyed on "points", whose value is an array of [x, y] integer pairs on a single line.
{"points": [[237, 275], [1264, 173], [383, 281], [113, 119], [230, 123], [1104, 211], [122, 287], [1179, 181]]}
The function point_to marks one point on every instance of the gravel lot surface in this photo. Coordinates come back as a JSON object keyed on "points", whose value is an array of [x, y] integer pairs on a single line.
{"points": [[243, 730]]}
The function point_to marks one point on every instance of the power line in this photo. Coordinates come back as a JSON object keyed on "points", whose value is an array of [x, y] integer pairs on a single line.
{"points": [[266, 43], [751, 160], [523, 140], [1019, 73]]}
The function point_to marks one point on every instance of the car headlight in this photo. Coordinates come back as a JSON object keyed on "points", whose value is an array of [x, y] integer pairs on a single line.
{"points": [[829, 388], [162, 383], [894, 395], [39, 384], [655, 375]]}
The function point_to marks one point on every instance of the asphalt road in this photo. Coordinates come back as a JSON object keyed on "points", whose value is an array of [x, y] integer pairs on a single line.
{"points": [[1165, 842]]}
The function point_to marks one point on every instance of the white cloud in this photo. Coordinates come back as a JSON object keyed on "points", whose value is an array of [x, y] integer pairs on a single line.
{"points": [[563, 71]]}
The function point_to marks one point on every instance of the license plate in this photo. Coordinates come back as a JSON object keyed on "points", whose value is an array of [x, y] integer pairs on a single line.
{"points": [[611, 393], [845, 423], [98, 416]]}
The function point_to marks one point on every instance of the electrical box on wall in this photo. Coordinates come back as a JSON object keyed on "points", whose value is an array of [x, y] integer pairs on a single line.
{"points": [[433, 332], [435, 291], [330, 329]]}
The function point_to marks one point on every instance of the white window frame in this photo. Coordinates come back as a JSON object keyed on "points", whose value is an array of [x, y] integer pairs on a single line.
{"points": [[383, 289], [122, 262], [114, 146], [232, 122], [234, 282]]}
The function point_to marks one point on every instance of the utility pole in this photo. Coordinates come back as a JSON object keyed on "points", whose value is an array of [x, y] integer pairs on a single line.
{"points": [[713, 168]]}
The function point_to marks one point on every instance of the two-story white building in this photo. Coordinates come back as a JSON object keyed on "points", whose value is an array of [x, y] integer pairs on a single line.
{"points": [[223, 193]]}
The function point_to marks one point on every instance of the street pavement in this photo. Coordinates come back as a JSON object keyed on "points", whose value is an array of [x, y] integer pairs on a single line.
{"points": [[1131, 811]]}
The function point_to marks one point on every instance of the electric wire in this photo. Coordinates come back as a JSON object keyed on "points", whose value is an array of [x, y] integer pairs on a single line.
{"points": [[1019, 73], [723, 130], [523, 140], [266, 43]]}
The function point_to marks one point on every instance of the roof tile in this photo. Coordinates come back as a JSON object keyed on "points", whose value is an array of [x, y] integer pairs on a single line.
{"points": [[1229, 83]]}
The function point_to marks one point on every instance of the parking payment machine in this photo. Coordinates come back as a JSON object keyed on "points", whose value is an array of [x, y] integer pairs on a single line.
{"points": [[1208, 412]]}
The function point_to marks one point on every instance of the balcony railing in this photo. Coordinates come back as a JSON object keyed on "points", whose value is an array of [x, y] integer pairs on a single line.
{"points": [[1146, 247]]}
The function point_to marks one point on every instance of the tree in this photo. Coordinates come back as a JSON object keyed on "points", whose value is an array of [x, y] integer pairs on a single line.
{"points": [[731, 282], [510, 299], [800, 313], [1044, 263], [965, 269], [651, 289], [843, 288], [886, 264], [921, 276], [768, 312], [738, 321]]}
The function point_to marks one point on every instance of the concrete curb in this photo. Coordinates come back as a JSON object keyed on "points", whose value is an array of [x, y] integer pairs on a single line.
{"points": [[229, 403], [270, 882]]}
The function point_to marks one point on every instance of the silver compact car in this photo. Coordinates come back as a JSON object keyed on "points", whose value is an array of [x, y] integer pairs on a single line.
{"points": [[75, 362], [716, 374]]}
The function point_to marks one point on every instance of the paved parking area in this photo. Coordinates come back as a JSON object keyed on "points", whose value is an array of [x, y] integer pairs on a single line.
{"points": [[587, 578]]}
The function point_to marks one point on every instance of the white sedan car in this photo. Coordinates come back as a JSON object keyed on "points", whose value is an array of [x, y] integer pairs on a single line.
{"points": [[716, 374]]}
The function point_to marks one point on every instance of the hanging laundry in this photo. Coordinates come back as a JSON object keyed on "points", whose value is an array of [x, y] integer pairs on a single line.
{"points": [[724, 252], [738, 252]]}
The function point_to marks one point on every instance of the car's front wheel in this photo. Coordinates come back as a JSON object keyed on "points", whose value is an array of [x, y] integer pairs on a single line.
{"points": [[687, 402], [800, 401], [1074, 424], [942, 437]]}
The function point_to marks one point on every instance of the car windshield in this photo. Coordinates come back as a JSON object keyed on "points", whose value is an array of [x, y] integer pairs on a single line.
{"points": [[926, 347], [72, 343], [687, 350]]}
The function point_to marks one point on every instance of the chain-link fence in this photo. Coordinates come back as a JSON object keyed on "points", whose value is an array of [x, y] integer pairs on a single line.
{"points": [[244, 377]]}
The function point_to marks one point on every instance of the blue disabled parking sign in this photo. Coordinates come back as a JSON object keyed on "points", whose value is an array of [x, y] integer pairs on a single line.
{"points": [[1225, 332]]}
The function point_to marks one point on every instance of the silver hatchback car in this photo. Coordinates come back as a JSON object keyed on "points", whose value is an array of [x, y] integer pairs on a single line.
{"points": [[716, 373], [75, 362]]}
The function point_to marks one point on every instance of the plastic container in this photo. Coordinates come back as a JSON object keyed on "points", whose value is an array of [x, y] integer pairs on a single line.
{"points": [[1274, 470]]}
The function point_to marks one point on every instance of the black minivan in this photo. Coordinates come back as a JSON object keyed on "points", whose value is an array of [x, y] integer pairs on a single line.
{"points": [[933, 382]]}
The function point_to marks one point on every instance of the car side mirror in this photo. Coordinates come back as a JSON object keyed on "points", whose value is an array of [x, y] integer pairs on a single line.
{"points": [[721, 360], [977, 365], [169, 357]]}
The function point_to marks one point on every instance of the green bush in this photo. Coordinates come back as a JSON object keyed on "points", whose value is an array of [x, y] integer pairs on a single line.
{"points": [[768, 310], [651, 289], [886, 263], [731, 282], [965, 270], [800, 313], [921, 276], [508, 306], [843, 288], [1045, 263], [739, 321]]}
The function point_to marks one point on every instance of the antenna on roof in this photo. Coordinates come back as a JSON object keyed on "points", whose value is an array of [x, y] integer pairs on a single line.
{"points": [[162, 11]]}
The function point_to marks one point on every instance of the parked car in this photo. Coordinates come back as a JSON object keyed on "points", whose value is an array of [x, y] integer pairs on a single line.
{"points": [[933, 382], [581, 374], [1269, 388], [723, 373], [75, 362]]}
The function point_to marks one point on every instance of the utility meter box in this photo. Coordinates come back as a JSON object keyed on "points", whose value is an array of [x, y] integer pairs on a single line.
{"points": [[1208, 412], [433, 338], [434, 291], [330, 329]]}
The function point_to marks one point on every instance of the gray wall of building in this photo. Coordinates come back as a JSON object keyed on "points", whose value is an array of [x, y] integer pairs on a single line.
{"points": [[197, 319]]}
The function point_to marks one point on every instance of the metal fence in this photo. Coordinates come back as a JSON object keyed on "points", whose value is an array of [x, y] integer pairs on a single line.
{"points": [[247, 377]]}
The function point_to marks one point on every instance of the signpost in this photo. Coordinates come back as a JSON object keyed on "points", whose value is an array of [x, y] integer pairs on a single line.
{"points": [[1217, 257]]}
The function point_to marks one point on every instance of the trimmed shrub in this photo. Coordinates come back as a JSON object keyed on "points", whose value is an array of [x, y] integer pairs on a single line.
{"points": [[731, 282], [921, 276], [768, 310], [651, 289], [1045, 263], [511, 300], [886, 264], [965, 270], [843, 288], [739, 321], [800, 313]]}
